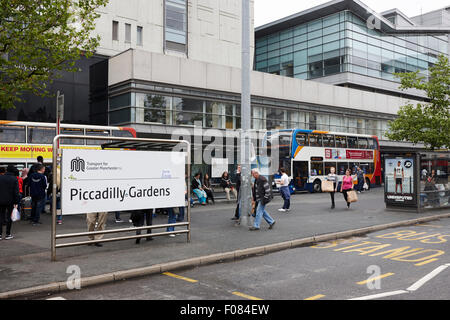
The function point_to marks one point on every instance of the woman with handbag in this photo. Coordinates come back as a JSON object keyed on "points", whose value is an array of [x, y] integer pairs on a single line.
{"points": [[333, 178], [347, 185], [207, 188], [198, 190]]}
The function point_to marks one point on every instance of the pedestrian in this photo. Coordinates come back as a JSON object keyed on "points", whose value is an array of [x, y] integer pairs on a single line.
{"points": [[20, 181], [237, 211], [38, 186], [347, 185], [360, 177], [198, 190], [139, 217], [172, 218], [33, 169], [9, 199], [262, 195], [285, 192], [227, 185], [208, 189], [96, 222], [333, 178], [25, 187]]}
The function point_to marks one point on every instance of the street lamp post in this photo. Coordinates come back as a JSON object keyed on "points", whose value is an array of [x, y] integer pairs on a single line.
{"points": [[245, 190]]}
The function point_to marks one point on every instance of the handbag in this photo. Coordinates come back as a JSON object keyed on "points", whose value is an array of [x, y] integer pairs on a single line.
{"points": [[352, 196], [15, 215], [365, 187], [327, 186]]}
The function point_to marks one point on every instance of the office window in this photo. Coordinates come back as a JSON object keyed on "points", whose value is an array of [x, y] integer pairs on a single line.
{"points": [[139, 36], [127, 33], [115, 30], [176, 25]]}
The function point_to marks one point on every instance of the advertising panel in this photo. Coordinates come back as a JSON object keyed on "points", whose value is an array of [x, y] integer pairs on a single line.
{"points": [[400, 181], [112, 180]]}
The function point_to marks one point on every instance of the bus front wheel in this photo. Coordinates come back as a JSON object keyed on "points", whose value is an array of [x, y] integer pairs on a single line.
{"points": [[317, 186]]}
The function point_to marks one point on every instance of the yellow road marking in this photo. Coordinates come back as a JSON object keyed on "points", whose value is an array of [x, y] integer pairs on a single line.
{"points": [[246, 296], [375, 278], [317, 297], [179, 277]]}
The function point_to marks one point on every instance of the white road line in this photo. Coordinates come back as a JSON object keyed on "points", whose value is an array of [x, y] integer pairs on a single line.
{"points": [[381, 295], [427, 278], [56, 298]]}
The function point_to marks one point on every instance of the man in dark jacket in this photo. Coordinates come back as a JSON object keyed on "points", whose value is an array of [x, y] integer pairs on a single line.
{"points": [[237, 212], [262, 195], [9, 199], [38, 186]]}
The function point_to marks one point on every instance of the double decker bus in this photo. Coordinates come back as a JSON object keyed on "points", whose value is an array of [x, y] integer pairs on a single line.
{"points": [[308, 155], [22, 142]]}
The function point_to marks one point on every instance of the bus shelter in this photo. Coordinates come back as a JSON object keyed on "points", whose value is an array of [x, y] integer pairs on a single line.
{"points": [[417, 181], [126, 174]]}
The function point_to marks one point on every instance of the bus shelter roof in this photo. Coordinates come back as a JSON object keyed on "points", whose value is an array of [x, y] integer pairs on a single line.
{"points": [[157, 145]]}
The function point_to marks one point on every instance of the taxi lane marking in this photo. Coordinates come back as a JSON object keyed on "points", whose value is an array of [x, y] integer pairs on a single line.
{"points": [[179, 277], [375, 278], [317, 297]]}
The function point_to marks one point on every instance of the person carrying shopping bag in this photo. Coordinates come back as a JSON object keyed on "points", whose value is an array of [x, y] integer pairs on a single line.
{"points": [[347, 186]]}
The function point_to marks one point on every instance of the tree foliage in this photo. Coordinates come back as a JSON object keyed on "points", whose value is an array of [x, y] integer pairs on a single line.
{"points": [[427, 123], [38, 39]]}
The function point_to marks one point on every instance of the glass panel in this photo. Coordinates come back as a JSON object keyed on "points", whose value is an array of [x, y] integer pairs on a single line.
{"points": [[328, 166], [73, 132], [122, 134], [215, 114], [352, 142], [41, 135], [317, 168], [363, 143], [315, 140], [12, 134], [328, 141], [123, 100], [99, 133], [341, 142], [302, 139], [139, 36], [176, 21]]}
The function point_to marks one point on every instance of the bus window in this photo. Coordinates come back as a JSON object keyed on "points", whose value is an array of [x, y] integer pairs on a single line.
{"points": [[367, 168], [315, 140], [99, 133], [342, 167], [302, 139], [41, 135], [352, 142], [363, 143], [72, 132], [316, 168], [12, 134], [122, 134], [353, 166], [328, 166], [373, 144], [341, 142], [328, 141]]}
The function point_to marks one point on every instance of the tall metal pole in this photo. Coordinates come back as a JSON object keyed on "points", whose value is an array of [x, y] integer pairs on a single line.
{"points": [[245, 191]]}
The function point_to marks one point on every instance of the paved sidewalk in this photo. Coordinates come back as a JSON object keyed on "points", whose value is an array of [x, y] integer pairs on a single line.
{"points": [[25, 260]]}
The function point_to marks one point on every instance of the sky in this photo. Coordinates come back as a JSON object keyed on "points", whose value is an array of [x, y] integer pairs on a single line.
{"points": [[270, 10]]}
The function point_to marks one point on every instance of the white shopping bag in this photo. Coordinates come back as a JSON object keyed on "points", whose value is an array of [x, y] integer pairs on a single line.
{"points": [[15, 215]]}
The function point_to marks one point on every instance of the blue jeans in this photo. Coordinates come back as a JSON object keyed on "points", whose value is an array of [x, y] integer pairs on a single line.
{"points": [[286, 194], [37, 206], [172, 219], [180, 217], [262, 213]]}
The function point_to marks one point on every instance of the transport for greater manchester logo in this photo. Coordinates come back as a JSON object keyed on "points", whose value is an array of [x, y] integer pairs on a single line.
{"points": [[77, 165]]}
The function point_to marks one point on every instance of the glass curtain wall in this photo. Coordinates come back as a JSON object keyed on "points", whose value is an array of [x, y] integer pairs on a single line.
{"points": [[342, 42], [152, 108]]}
